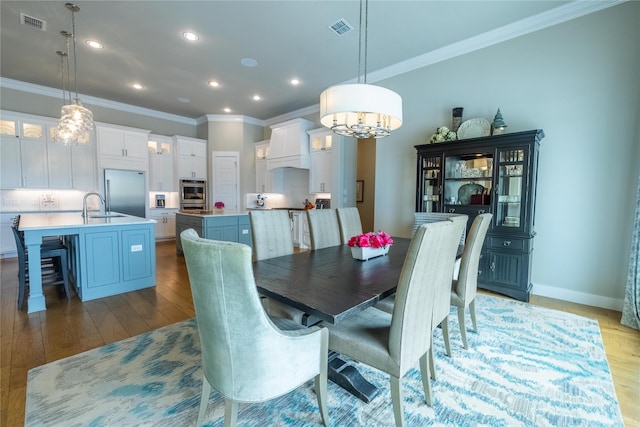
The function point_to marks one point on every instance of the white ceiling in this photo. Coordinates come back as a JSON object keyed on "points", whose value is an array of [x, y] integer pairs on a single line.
{"points": [[143, 44]]}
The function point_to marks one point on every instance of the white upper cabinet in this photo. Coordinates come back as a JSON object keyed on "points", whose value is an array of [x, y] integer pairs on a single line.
{"points": [[321, 170], [161, 176], [267, 181], [122, 147], [24, 152], [333, 166], [191, 158], [71, 166]]}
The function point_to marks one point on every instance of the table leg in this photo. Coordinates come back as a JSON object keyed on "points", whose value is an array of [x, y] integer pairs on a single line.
{"points": [[36, 296], [348, 377]]}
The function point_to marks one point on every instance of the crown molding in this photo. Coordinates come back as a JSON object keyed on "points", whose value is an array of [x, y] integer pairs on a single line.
{"points": [[549, 18], [230, 118], [306, 111], [96, 102]]}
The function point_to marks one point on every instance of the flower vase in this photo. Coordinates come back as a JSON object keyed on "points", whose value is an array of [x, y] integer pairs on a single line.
{"points": [[364, 254], [219, 210]]}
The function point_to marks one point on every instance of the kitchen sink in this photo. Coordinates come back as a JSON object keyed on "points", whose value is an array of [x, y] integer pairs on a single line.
{"points": [[115, 215]]}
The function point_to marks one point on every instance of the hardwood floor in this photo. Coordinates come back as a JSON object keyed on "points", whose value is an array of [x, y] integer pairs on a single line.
{"points": [[71, 327]]}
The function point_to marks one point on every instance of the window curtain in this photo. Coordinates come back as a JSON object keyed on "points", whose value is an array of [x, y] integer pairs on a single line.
{"points": [[631, 308]]}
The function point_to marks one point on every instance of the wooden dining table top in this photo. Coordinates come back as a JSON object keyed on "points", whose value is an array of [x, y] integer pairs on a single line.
{"points": [[329, 283]]}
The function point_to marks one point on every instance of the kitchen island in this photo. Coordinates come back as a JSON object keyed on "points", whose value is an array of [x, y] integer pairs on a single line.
{"points": [[109, 254], [230, 226]]}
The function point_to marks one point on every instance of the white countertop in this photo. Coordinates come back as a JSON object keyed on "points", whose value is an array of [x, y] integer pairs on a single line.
{"points": [[213, 213], [37, 221]]}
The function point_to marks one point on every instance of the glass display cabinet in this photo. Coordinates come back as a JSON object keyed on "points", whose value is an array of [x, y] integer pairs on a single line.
{"points": [[494, 174]]}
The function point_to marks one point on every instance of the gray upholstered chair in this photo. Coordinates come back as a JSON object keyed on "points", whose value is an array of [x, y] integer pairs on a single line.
{"points": [[272, 237], [324, 228], [441, 297], [271, 233], [350, 223], [464, 287], [246, 356], [394, 342]]}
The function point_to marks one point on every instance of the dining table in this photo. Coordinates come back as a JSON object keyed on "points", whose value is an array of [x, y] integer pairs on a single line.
{"points": [[329, 284]]}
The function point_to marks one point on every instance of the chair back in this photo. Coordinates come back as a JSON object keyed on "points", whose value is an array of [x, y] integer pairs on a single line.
{"points": [[324, 228], [467, 283], [428, 266], [20, 247], [350, 223], [442, 296], [427, 217], [240, 345], [271, 234]]}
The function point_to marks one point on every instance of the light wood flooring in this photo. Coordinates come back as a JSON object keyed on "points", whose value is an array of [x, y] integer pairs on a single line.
{"points": [[71, 327]]}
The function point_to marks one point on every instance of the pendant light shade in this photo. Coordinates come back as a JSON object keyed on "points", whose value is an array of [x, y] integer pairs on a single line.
{"points": [[361, 110], [75, 120]]}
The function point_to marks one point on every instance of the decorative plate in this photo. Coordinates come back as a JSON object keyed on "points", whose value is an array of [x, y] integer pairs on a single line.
{"points": [[466, 191], [474, 128]]}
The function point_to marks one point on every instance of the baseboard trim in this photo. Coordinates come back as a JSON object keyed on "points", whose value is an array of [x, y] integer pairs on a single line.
{"points": [[577, 297]]}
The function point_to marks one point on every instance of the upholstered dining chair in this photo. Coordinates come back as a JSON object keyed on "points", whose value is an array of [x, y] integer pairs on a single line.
{"points": [[441, 298], [270, 233], [465, 285], [324, 228], [350, 223], [393, 342], [271, 236], [246, 356]]}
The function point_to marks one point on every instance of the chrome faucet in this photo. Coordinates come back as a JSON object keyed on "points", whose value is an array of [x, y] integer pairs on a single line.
{"points": [[84, 202]]}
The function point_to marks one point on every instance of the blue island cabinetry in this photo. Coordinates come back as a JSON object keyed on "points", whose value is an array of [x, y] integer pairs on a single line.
{"points": [[109, 254], [117, 261], [227, 227]]}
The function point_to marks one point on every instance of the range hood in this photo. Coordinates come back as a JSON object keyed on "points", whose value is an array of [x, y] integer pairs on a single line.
{"points": [[289, 145]]}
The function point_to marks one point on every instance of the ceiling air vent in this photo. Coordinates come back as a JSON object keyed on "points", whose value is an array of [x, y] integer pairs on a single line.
{"points": [[341, 27], [32, 22]]}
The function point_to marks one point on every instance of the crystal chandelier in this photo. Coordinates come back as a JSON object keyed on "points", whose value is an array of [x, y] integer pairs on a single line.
{"points": [[361, 110], [75, 120]]}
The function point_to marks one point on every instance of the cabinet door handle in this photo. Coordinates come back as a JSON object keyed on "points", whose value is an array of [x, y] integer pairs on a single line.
{"points": [[452, 210], [506, 243], [481, 211], [492, 267]]}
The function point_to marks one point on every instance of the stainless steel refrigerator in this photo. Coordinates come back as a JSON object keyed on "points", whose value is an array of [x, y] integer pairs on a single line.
{"points": [[125, 192]]}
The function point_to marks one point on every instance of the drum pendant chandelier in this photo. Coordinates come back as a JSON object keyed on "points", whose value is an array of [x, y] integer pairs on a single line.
{"points": [[75, 120], [361, 110]]}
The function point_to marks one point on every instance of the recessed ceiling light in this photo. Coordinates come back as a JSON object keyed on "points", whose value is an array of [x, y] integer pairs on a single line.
{"points": [[214, 83], [226, 110], [137, 86], [94, 44], [184, 100], [294, 82], [256, 97], [248, 62], [190, 36]]}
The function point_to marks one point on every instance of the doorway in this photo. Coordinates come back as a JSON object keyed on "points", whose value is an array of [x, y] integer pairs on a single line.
{"points": [[225, 176]]}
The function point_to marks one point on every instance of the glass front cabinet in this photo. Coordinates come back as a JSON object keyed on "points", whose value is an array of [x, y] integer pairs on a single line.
{"points": [[492, 174]]}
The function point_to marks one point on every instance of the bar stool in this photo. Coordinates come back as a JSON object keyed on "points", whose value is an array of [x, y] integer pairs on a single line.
{"points": [[53, 259]]}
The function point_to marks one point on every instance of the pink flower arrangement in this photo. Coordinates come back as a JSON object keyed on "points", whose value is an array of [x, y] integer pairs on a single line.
{"points": [[371, 240], [219, 205]]}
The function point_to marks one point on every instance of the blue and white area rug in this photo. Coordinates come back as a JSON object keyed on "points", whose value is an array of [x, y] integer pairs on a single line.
{"points": [[528, 366]]}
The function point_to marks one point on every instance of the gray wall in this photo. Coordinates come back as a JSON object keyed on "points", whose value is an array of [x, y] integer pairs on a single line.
{"points": [[579, 82]]}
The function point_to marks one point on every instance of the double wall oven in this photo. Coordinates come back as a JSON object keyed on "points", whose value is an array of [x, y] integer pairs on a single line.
{"points": [[193, 194]]}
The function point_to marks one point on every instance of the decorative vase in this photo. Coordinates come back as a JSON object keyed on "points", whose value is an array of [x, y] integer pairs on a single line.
{"points": [[364, 254], [219, 210]]}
